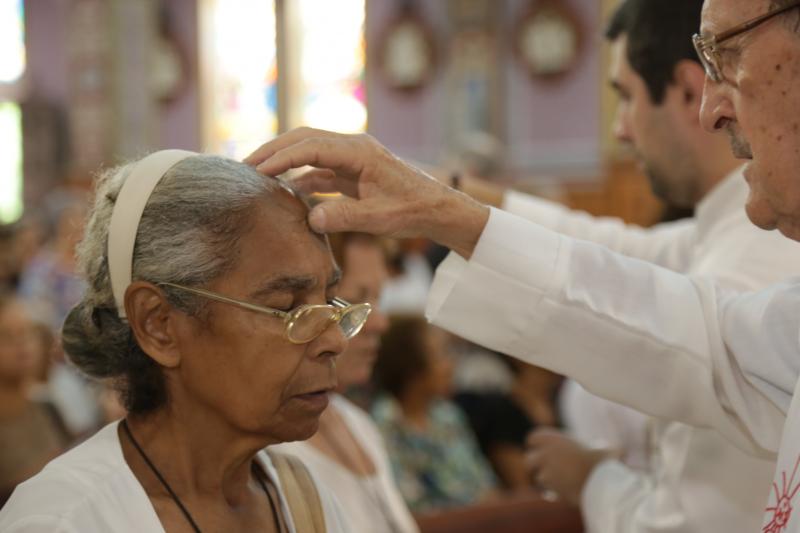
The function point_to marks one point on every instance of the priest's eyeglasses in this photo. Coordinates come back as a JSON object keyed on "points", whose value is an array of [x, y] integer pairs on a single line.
{"points": [[304, 323], [706, 45]]}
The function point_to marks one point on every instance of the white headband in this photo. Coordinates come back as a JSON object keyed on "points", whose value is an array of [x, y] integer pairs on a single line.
{"points": [[127, 213]]}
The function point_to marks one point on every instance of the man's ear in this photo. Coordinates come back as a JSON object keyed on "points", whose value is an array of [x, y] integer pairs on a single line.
{"points": [[154, 322], [689, 79]]}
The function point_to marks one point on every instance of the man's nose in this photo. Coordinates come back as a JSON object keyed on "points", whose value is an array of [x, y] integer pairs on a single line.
{"points": [[717, 108], [621, 128]]}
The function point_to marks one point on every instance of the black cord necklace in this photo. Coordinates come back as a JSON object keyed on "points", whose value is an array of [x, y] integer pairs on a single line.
{"points": [[174, 496]]}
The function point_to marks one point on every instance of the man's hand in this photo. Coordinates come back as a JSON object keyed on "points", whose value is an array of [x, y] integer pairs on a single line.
{"points": [[560, 464], [383, 194]]}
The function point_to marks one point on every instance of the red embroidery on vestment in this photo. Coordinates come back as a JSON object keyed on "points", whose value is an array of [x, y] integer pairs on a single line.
{"points": [[782, 511]]}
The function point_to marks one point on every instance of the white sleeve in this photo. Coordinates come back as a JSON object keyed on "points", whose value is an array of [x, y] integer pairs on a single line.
{"points": [[598, 423], [668, 245], [40, 524], [632, 332], [618, 498]]}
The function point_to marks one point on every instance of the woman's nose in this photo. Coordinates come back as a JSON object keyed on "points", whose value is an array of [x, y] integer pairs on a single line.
{"points": [[330, 342]]}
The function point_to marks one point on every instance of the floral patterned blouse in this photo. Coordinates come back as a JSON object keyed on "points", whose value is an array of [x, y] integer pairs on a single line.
{"points": [[438, 467]]}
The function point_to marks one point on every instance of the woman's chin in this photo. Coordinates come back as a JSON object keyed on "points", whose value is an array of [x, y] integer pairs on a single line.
{"points": [[300, 431]]}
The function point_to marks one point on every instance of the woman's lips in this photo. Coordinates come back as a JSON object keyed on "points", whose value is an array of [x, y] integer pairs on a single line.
{"points": [[317, 400]]}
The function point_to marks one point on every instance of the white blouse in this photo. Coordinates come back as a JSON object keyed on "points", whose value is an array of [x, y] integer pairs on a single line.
{"points": [[91, 489], [371, 504]]}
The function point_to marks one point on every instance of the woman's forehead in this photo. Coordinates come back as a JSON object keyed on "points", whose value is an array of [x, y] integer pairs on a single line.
{"points": [[279, 251]]}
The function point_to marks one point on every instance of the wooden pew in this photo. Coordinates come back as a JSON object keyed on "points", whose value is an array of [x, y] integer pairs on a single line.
{"points": [[524, 513]]}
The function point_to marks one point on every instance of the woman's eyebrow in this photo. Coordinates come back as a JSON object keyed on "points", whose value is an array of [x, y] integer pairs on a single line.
{"points": [[286, 284], [294, 284]]}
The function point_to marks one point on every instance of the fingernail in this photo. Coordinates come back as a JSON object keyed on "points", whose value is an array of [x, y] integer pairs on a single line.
{"points": [[317, 219]]}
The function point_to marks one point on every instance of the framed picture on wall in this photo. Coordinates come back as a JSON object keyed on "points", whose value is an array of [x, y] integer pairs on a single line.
{"points": [[407, 51], [548, 39]]}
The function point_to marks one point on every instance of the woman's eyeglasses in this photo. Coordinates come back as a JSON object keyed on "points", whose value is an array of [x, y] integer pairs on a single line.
{"points": [[304, 323]]}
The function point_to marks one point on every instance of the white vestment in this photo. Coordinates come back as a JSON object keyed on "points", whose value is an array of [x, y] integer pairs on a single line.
{"points": [[696, 479], [674, 346]]}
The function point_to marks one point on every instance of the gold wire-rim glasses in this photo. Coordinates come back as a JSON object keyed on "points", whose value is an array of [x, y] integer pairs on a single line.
{"points": [[706, 45], [339, 309]]}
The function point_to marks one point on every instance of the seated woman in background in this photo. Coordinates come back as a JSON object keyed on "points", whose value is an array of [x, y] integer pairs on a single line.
{"points": [[211, 306], [31, 433], [502, 420], [348, 453], [434, 455]]}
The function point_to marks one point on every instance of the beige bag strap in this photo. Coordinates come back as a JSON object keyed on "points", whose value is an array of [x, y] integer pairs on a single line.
{"points": [[300, 493]]}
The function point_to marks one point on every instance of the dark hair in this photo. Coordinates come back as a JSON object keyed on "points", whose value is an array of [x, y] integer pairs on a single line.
{"points": [[403, 354], [659, 36]]}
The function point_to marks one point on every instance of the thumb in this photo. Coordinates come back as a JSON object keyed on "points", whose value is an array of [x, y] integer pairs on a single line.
{"points": [[335, 216]]}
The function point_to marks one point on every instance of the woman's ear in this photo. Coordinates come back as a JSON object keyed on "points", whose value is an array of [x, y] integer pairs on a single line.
{"points": [[153, 321]]}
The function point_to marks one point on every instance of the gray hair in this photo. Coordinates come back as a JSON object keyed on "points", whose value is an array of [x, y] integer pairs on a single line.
{"points": [[792, 18], [187, 235]]}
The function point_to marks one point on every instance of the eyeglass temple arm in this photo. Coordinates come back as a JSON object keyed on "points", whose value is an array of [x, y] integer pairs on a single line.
{"points": [[747, 26], [338, 302], [223, 299]]}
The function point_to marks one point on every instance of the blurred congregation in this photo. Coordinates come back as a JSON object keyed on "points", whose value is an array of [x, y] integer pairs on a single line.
{"points": [[518, 103]]}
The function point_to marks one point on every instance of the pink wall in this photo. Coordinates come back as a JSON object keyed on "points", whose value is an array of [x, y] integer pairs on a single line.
{"points": [[46, 40], [555, 125], [180, 123], [549, 126], [410, 124]]}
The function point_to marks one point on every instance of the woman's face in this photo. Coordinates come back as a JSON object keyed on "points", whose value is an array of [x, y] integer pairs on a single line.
{"points": [[239, 363], [18, 344], [362, 280]]}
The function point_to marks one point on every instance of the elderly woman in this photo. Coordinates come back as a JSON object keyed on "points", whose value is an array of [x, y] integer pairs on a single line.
{"points": [[212, 307]]}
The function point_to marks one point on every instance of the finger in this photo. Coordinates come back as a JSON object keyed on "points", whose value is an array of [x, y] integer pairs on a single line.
{"points": [[285, 140], [534, 460], [324, 181], [542, 436], [367, 216], [343, 155], [322, 173], [550, 495], [536, 439], [342, 215]]}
